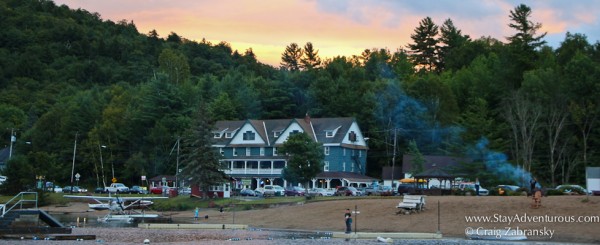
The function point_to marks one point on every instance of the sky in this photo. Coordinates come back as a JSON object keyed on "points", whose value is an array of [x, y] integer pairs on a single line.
{"points": [[338, 27]]}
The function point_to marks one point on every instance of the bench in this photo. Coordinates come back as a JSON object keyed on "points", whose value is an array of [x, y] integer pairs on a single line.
{"points": [[411, 203]]}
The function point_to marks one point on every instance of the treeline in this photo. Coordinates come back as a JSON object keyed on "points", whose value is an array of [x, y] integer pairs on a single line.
{"points": [[67, 76]]}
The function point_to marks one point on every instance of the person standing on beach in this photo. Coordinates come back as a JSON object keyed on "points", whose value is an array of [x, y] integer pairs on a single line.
{"points": [[477, 186], [348, 219]]}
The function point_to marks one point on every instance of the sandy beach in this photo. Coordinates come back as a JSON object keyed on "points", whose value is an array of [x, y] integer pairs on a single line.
{"points": [[562, 219]]}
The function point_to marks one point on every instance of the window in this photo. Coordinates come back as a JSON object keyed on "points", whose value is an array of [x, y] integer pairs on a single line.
{"points": [[262, 151], [249, 135], [276, 133], [274, 151], [329, 133], [248, 151], [234, 151], [222, 151], [359, 153], [351, 167], [217, 135], [228, 135], [344, 167], [326, 166], [352, 136], [326, 148], [294, 132], [344, 151]]}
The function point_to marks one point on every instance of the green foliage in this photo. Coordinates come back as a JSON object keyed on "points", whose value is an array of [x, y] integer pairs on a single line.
{"points": [[425, 48], [418, 161], [67, 72], [199, 160], [305, 157]]}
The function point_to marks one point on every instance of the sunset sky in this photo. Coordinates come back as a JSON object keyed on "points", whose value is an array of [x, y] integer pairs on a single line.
{"points": [[337, 27]]}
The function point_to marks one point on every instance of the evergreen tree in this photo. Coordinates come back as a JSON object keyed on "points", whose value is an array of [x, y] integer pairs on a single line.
{"points": [[452, 39], [199, 159], [290, 59], [418, 161], [425, 49], [310, 58], [526, 30]]}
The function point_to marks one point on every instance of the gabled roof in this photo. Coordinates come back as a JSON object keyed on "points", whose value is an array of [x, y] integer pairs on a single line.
{"points": [[342, 124], [315, 127]]}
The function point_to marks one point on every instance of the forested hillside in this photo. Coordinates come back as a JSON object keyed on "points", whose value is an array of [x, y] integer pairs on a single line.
{"points": [[69, 78]]}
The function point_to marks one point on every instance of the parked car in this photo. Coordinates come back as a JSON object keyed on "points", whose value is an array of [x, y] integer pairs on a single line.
{"points": [[159, 189], [406, 189], [573, 189], [261, 191], [348, 191], [58, 189], [471, 186], [81, 189], [136, 189], [508, 187], [502, 189], [278, 190], [294, 191], [248, 192], [67, 189], [99, 190], [320, 192], [184, 191]]}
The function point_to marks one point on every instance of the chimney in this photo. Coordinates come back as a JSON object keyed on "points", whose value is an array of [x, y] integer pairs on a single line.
{"points": [[307, 118]]}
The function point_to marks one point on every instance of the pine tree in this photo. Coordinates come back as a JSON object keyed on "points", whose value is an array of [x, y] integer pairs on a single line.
{"points": [[290, 59], [310, 58], [425, 50], [199, 160]]}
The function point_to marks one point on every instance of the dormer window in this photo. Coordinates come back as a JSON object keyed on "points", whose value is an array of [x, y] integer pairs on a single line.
{"points": [[228, 135], [329, 133], [217, 135], [276, 133], [249, 135]]}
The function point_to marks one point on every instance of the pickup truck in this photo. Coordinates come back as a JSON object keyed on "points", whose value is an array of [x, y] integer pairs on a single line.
{"points": [[116, 188]]}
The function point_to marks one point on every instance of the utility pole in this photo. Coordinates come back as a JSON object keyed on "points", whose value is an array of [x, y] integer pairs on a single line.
{"points": [[394, 157], [73, 167], [177, 160]]}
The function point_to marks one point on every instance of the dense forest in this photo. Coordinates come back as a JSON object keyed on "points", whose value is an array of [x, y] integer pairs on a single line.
{"points": [[77, 90]]}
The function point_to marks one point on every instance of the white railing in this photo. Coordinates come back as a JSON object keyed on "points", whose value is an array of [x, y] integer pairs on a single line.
{"points": [[253, 171], [19, 199]]}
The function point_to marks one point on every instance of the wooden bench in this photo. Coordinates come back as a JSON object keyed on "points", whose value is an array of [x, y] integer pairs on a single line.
{"points": [[411, 204]]}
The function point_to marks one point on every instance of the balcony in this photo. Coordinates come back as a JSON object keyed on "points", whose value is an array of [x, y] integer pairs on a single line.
{"points": [[253, 171]]}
